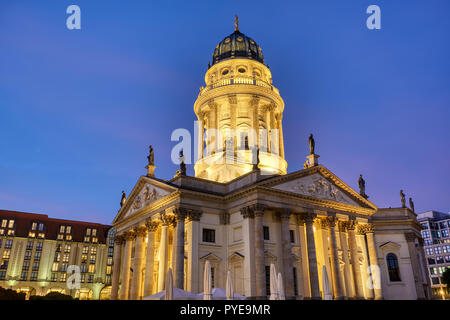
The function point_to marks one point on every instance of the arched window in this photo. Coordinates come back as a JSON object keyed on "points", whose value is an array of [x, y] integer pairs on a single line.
{"points": [[392, 264]]}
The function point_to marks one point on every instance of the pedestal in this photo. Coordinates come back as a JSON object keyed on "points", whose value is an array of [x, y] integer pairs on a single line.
{"points": [[150, 170], [313, 160]]}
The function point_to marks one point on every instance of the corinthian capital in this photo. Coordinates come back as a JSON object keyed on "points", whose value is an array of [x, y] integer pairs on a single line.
{"points": [[152, 226], [140, 231], [167, 219], [194, 215], [180, 213], [130, 235]]}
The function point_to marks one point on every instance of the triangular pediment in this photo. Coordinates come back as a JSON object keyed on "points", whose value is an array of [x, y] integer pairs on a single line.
{"points": [[319, 183], [146, 192], [211, 257]]}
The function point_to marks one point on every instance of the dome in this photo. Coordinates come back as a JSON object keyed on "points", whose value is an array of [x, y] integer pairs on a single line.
{"points": [[237, 45]]}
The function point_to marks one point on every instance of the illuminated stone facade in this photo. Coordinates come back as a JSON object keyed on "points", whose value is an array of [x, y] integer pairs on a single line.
{"points": [[243, 217], [36, 251]]}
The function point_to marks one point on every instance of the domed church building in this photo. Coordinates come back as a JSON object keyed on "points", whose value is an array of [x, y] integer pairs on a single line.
{"points": [[243, 211]]}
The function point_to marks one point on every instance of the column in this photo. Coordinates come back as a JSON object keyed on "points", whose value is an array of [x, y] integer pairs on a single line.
{"points": [[166, 220], [232, 99], [248, 233], [116, 267], [136, 281], [312, 259], [260, 266], [193, 219], [180, 215], [124, 288], [200, 128], [152, 226], [280, 134], [356, 270], [287, 253], [304, 256], [376, 276], [336, 274], [368, 285], [348, 285]]}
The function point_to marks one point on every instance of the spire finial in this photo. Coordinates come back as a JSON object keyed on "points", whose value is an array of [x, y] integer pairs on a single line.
{"points": [[236, 22]]}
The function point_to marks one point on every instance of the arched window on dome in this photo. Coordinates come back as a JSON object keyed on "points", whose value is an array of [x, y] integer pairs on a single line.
{"points": [[393, 269]]}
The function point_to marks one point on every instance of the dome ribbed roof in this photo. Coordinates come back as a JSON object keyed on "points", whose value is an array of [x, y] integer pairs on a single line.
{"points": [[237, 45]]}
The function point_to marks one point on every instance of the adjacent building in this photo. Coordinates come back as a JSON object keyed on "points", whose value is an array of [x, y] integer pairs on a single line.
{"points": [[36, 252], [436, 235], [243, 211]]}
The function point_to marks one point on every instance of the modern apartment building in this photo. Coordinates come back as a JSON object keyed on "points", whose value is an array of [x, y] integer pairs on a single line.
{"points": [[436, 235], [36, 252]]}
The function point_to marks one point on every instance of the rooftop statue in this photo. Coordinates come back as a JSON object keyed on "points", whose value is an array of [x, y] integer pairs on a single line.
{"points": [[402, 198], [312, 144], [151, 157], [362, 186], [411, 204], [124, 198]]}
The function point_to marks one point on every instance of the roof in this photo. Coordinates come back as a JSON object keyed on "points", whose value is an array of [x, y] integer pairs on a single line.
{"points": [[433, 215], [236, 45], [23, 221]]}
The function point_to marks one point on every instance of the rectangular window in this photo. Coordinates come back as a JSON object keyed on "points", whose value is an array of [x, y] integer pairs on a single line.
{"points": [[85, 250], [92, 260], [54, 277], [66, 257], [62, 277], [69, 237], [83, 258], [26, 265], [437, 250], [8, 244], [83, 278], [212, 277], [64, 267], [2, 275], [34, 226], [33, 276], [94, 232], [108, 269], [292, 236], [67, 248], [109, 261], [209, 235], [24, 276], [83, 268], [4, 265], [60, 236], [88, 231], [11, 224], [62, 229], [30, 245], [91, 278], [57, 257], [294, 270], [439, 259], [35, 266], [445, 233], [68, 229], [39, 246], [266, 234], [91, 268], [4, 223], [431, 261], [41, 227], [268, 280], [37, 255], [27, 255], [6, 253], [1, 240], [93, 250], [55, 266], [110, 251]]}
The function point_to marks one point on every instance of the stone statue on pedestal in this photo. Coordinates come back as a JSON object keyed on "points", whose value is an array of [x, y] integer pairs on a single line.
{"points": [[312, 144], [362, 186], [411, 204], [151, 157], [124, 198], [182, 164], [402, 198]]}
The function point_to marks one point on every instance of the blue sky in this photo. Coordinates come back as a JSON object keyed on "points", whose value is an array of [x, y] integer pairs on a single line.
{"points": [[78, 108]]}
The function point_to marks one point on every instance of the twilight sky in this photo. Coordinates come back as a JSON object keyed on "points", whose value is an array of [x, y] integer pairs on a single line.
{"points": [[78, 108]]}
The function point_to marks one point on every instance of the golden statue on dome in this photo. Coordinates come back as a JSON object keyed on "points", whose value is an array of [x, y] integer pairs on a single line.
{"points": [[236, 23]]}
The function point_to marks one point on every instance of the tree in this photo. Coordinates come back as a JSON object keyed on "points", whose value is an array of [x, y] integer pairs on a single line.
{"points": [[8, 294], [446, 278]]}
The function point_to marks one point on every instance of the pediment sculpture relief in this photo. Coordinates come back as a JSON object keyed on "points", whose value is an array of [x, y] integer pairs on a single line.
{"points": [[320, 188]]}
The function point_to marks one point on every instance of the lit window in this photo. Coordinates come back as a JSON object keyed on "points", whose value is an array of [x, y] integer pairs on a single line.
{"points": [[66, 257], [68, 229], [4, 265], [83, 258], [62, 277], [62, 229], [86, 239], [94, 232], [69, 237], [91, 268], [67, 248], [11, 224], [34, 226], [94, 240], [55, 266], [88, 231], [93, 250], [6, 253], [57, 257], [10, 232], [85, 250], [60, 236], [41, 235], [54, 277], [4, 223]]}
